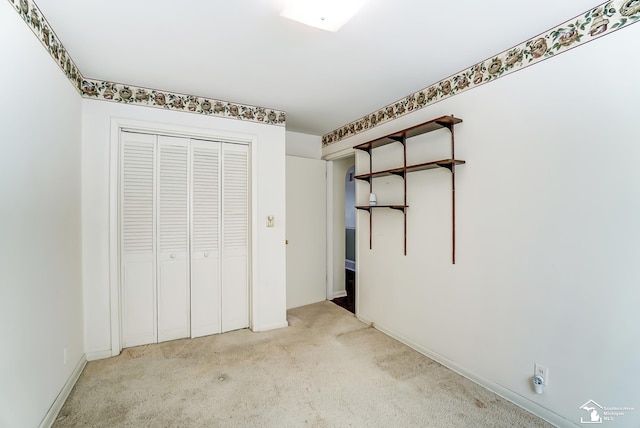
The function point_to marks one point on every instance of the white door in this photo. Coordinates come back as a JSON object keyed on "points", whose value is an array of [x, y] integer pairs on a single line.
{"points": [[306, 186], [174, 302], [137, 236], [235, 237], [205, 238]]}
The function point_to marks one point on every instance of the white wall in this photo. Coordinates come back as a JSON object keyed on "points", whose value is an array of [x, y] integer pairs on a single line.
{"points": [[268, 178], [548, 236], [40, 246], [303, 145]]}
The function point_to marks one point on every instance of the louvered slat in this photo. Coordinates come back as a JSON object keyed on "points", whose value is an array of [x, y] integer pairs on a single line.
{"points": [[205, 172], [137, 196], [235, 192], [173, 198]]}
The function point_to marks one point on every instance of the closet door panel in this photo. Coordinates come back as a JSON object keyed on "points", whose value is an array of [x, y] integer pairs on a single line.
{"points": [[137, 237], [205, 238], [205, 303], [235, 237], [173, 238], [139, 312], [235, 293], [173, 297]]}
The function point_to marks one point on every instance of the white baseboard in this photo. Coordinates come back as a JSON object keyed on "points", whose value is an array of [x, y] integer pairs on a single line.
{"points": [[517, 399], [340, 293], [100, 355], [268, 327], [55, 408]]}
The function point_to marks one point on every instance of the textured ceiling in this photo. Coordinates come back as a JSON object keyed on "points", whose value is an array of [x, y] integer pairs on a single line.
{"points": [[243, 51]]}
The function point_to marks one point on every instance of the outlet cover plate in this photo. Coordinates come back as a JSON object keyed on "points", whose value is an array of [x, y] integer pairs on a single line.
{"points": [[543, 371]]}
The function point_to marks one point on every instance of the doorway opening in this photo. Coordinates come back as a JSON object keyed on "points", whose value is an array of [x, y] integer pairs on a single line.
{"points": [[349, 301]]}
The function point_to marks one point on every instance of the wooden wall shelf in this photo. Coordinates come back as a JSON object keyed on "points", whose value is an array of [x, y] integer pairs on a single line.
{"points": [[370, 207], [444, 163], [401, 137]]}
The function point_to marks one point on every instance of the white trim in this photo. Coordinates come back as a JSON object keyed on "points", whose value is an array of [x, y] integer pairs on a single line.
{"points": [[339, 293], [55, 408], [254, 271], [330, 266], [98, 355], [182, 131], [343, 153], [119, 124], [270, 327], [515, 398], [114, 259]]}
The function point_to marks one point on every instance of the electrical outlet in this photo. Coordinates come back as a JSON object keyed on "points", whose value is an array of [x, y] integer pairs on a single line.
{"points": [[543, 372], [64, 355]]}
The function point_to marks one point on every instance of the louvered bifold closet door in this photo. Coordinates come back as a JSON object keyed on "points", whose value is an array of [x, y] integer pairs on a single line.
{"points": [[205, 237], [174, 301], [235, 236], [137, 237]]}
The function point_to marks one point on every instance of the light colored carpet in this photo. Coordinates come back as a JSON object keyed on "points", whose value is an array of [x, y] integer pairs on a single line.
{"points": [[326, 370]]}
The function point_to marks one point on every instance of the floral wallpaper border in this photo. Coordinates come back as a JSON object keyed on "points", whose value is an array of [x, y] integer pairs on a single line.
{"points": [[129, 94], [597, 22]]}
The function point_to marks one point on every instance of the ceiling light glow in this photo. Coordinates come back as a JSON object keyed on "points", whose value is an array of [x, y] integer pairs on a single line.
{"points": [[329, 15]]}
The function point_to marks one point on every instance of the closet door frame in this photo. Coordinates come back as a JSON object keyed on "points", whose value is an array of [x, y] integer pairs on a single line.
{"points": [[117, 126]]}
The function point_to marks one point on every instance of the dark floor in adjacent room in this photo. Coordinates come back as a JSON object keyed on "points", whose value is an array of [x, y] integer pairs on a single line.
{"points": [[348, 302]]}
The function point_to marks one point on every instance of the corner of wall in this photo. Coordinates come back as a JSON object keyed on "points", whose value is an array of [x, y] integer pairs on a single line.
{"points": [[55, 408]]}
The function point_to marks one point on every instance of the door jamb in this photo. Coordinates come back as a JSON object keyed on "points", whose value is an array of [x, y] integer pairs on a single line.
{"points": [[330, 267], [348, 152]]}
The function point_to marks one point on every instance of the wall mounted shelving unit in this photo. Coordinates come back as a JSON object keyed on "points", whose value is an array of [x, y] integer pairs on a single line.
{"points": [[401, 137]]}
